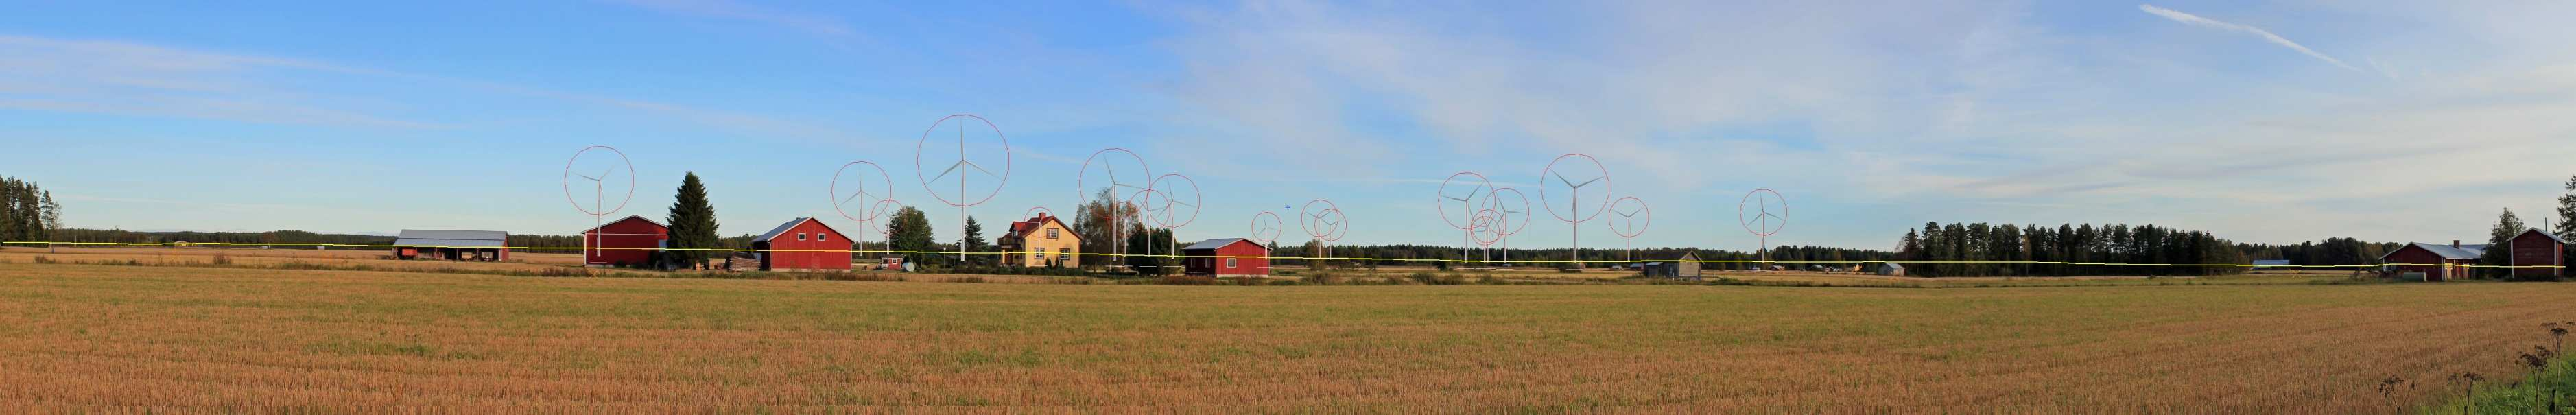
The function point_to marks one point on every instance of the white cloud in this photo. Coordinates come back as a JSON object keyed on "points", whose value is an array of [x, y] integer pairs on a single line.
{"points": [[1956, 112], [2189, 19]]}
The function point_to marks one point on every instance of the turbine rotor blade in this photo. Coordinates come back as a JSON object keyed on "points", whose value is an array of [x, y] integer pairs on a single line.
{"points": [[944, 173]]}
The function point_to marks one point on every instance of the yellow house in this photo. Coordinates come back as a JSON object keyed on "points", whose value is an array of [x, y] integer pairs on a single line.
{"points": [[1042, 241]]}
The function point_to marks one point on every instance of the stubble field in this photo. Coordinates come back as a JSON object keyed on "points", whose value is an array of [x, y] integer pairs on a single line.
{"points": [[127, 335]]}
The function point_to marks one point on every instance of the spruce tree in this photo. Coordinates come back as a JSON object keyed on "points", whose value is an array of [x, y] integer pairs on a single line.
{"points": [[693, 224], [974, 243], [2567, 212]]}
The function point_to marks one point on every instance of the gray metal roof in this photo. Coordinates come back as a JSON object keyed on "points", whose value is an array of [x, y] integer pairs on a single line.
{"points": [[1891, 265], [471, 239], [782, 229], [2271, 262], [2446, 251], [1212, 244]]}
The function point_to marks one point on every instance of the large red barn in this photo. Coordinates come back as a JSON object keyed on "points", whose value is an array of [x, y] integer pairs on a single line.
{"points": [[803, 244], [2437, 262], [625, 243], [1226, 257], [2534, 247]]}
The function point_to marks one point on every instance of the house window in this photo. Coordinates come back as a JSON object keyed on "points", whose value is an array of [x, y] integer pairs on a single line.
{"points": [[1229, 263], [800, 237], [1050, 233], [1063, 253]]}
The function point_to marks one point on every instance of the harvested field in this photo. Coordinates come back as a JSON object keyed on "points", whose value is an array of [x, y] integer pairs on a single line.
{"points": [[122, 335]]}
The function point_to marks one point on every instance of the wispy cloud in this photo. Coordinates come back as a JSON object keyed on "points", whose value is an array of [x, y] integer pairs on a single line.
{"points": [[2189, 19], [117, 78], [121, 78]]}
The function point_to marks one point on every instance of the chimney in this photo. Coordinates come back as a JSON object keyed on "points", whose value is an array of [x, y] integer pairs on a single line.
{"points": [[2455, 243]]}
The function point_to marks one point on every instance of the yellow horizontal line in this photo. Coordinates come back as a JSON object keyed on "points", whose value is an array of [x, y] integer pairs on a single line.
{"points": [[1702, 261]]}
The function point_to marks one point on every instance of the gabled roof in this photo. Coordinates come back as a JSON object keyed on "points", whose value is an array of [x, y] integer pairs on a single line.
{"points": [[2446, 251], [791, 224], [1215, 243], [628, 218], [431, 237], [1022, 228], [2552, 236]]}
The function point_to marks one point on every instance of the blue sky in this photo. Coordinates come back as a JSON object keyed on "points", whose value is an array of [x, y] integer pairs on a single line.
{"points": [[2262, 121]]}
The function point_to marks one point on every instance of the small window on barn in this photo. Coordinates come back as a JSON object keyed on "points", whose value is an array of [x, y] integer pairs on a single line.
{"points": [[1229, 263], [800, 237], [822, 237]]}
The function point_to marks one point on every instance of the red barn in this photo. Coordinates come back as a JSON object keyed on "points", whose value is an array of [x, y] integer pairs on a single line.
{"points": [[2534, 247], [803, 244], [625, 243], [2437, 262], [1227, 257]]}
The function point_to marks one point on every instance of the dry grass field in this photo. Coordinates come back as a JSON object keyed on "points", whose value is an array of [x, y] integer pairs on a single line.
{"points": [[248, 336], [125, 335]]}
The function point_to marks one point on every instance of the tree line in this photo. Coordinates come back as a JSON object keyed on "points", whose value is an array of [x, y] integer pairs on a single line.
{"points": [[2110, 243], [27, 212]]}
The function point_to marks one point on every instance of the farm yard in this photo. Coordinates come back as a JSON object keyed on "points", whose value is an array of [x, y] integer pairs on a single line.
{"points": [[179, 335]]}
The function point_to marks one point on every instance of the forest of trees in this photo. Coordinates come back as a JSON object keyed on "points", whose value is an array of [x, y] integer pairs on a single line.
{"points": [[1391, 255], [2332, 251], [27, 212], [2114, 243]]}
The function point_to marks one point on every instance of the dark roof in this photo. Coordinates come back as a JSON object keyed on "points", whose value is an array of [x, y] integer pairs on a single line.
{"points": [[791, 224], [2446, 251], [470, 239], [1214, 244], [2552, 236]]}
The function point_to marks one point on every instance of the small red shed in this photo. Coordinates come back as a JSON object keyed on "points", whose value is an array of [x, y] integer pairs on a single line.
{"points": [[803, 244], [625, 243], [1226, 257], [2536, 247], [2437, 262]]}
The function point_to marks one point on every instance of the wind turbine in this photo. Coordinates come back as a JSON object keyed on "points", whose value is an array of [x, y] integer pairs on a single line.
{"points": [[1573, 204], [599, 197], [598, 209], [964, 199], [1467, 229]]}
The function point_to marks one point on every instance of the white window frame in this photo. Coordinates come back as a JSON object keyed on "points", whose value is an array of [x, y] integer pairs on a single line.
{"points": [[1229, 263], [822, 237], [1050, 233], [800, 237]]}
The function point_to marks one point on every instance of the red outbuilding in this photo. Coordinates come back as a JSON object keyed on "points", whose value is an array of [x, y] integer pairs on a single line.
{"points": [[625, 243], [1227, 257], [803, 244], [2436, 262], [2535, 247]]}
